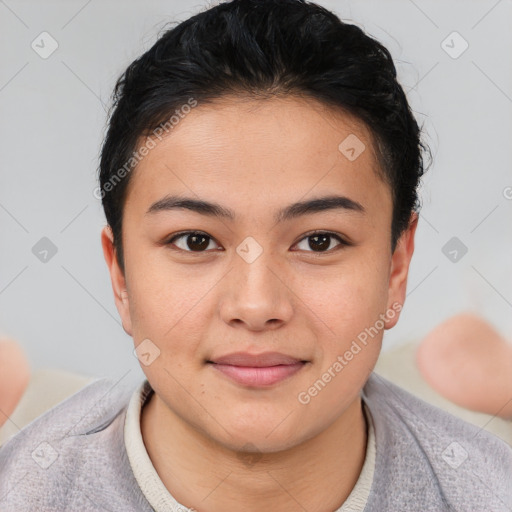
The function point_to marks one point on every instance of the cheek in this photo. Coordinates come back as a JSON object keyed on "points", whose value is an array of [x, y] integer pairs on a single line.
{"points": [[159, 296], [347, 309], [164, 308], [345, 298], [172, 310]]}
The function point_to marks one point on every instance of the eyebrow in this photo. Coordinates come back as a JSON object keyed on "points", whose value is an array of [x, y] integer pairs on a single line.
{"points": [[292, 211]]}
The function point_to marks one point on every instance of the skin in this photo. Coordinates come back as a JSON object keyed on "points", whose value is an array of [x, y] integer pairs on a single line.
{"points": [[14, 377], [468, 362], [215, 443]]}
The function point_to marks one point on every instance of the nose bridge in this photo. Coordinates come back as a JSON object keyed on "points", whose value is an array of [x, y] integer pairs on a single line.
{"points": [[255, 293], [257, 278]]}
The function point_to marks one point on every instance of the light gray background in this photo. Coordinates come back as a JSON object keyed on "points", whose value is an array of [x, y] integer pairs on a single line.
{"points": [[53, 120]]}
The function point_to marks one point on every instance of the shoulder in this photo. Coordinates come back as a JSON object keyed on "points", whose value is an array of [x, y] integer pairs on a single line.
{"points": [[70, 445], [421, 448], [98, 401]]}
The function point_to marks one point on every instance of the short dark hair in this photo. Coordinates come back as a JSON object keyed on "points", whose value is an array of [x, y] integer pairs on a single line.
{"points": [[260, 49]]}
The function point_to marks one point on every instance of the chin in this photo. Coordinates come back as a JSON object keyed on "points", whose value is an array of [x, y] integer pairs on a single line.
{"points": [[257, 446], [260, 438]]}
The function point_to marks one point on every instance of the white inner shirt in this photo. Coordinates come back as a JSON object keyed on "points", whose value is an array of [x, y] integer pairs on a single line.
{"points": [[162, 500]]}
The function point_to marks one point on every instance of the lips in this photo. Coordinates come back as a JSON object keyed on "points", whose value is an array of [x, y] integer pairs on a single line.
{"points": [[256, 360], [255, 370]]}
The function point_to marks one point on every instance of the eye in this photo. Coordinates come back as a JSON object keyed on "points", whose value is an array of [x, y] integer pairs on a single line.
{"points": [[194, 241], [320, 241], [197, 241]]}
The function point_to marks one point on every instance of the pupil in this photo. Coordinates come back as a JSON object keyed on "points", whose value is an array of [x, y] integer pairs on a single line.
{"points": [[323, 245], [194, 239]]}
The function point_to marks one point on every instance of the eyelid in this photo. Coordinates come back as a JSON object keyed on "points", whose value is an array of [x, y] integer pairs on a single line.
{"points": [[343, 242], [180, 234]]}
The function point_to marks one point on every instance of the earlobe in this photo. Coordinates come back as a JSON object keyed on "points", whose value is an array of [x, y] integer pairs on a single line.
{"points": [[117, 279], [400, 262]]}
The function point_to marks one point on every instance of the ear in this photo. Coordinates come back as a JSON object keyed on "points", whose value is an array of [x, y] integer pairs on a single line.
{"points": [[117, 278], [400, 270]]}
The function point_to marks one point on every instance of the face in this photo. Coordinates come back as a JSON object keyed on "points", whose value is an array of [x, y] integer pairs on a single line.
{"points": [[260, 321]]}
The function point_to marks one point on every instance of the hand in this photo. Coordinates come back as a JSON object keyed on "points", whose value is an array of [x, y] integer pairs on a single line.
{"points": [[468, 362], [14, 377]]}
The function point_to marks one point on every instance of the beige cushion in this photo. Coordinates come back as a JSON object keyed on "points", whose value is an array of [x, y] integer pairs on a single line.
{"points": [[399, 366]]}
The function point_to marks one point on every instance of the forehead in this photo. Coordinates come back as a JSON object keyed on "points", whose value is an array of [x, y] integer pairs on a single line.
{"points": [[251, 152]]}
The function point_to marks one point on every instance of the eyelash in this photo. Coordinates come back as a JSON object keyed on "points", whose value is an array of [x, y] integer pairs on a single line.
{"points": [[343, 243]]}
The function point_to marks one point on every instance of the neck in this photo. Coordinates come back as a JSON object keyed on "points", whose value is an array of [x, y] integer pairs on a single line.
{"points": [[317, 475]]}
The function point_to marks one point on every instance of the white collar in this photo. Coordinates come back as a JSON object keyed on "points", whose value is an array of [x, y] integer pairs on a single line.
{"points": [[161, 499]]}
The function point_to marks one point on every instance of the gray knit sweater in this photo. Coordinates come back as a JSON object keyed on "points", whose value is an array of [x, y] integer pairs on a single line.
{"points": [[74, 457]]}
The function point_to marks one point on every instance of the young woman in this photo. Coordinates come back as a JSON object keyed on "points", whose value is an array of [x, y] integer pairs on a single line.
{"points": [[259, 179]]}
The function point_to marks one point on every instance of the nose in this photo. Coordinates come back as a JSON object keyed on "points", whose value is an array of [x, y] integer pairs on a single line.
{"points": [[255, 295]]}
